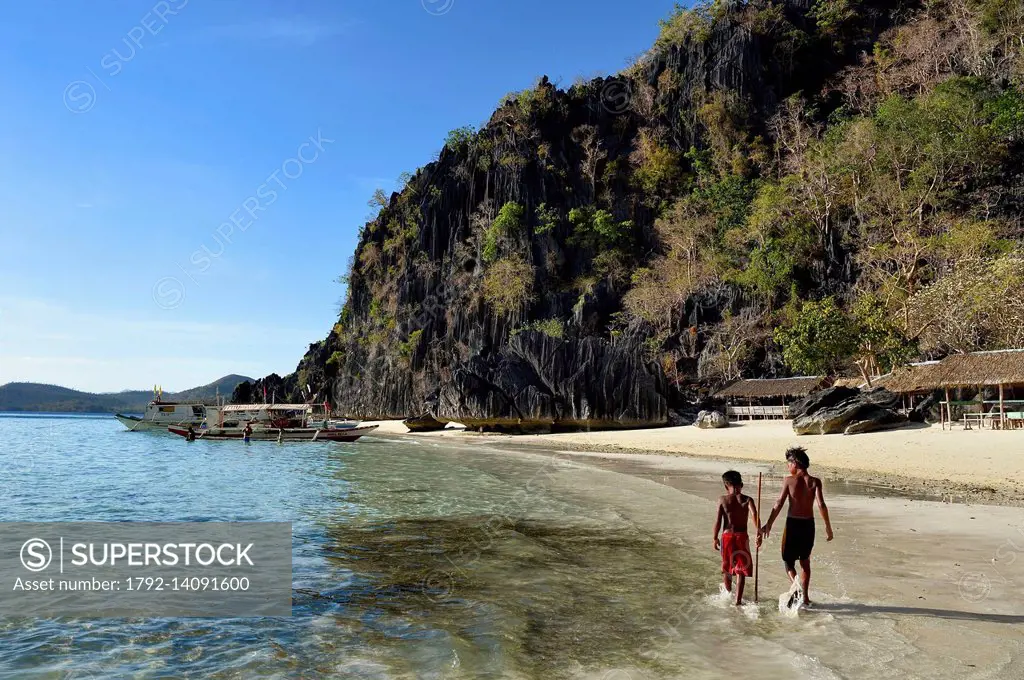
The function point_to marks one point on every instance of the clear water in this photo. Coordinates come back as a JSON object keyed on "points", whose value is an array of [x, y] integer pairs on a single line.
{"points": [[423, 559], [410, 560]]}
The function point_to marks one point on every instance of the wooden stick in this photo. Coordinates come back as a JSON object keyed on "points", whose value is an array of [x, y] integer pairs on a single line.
{"points": [[757, 548]]}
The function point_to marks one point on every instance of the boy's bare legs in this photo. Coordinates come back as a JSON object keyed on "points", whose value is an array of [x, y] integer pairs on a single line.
{"points": [[727, 581], [805, 579], [740, 582]]}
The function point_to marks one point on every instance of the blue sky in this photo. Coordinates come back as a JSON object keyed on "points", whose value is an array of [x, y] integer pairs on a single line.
{"points": [[183, 181]]}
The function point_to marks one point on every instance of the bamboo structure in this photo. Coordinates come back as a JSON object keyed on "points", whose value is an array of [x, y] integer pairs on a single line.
{"points": [[756, 392]]}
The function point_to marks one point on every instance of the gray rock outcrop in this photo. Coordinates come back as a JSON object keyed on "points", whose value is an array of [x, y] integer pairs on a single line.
{"points": [[711, 420], [422, 328], [540, 383], [424, 423], [848, 411]]}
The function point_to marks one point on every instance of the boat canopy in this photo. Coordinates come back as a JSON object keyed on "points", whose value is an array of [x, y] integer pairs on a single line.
{"points": [[237, 408]]}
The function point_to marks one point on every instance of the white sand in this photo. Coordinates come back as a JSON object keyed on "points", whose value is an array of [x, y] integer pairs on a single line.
{"points": [[959, 463]]}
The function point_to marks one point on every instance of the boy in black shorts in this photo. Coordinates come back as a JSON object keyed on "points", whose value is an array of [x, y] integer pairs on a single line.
{"points": [[802, 490]]}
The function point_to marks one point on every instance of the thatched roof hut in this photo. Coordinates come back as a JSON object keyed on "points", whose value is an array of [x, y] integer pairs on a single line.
{"points": [[977, 369], [919, 377], [767, 388], [1004, 367], [848, 382]]}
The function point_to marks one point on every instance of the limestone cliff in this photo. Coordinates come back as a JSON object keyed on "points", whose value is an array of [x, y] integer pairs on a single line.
{"points": [[491, 289]]}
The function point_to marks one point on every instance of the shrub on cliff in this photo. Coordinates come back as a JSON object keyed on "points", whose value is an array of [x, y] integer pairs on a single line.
{"points": [[508, 285], [547, 219], [598, 229], [334, 363], [509, 222], [459, 139], [553, 328], [685, 23]]}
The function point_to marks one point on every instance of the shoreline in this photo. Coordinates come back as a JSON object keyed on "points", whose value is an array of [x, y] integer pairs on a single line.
{"points": [[972, 467], [923, 487]]}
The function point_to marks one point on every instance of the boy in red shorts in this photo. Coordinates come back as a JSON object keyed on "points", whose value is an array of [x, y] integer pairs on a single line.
{"points": [[733, 510]]}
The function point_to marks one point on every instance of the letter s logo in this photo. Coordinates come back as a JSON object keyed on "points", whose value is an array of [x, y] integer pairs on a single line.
{"points": [[36, 554]]}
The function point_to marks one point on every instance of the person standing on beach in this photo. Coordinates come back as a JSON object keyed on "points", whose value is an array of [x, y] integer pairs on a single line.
{"points": [[802, 490], [733, 510]]}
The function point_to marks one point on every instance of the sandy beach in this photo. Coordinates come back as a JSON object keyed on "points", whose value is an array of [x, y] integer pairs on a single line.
{"points": [[922, 581], [908, 589], [978, 466]]}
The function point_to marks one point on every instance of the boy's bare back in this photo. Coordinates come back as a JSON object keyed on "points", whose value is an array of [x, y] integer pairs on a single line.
{"points": [[803, 490], [735, 509]]}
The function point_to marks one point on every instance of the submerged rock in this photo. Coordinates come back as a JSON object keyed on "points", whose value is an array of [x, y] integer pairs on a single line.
{"points": [[710, 420]]}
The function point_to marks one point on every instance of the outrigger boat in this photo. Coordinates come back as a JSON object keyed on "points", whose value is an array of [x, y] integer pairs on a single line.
{"points": [[159, 414], [274, 422], [283, 434]]}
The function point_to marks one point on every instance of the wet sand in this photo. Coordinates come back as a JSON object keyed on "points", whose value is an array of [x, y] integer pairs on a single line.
{"points": [[908, 588], [964, 466]]}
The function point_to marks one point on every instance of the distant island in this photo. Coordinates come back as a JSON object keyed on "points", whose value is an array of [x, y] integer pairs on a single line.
{"points": [[22, 396]]}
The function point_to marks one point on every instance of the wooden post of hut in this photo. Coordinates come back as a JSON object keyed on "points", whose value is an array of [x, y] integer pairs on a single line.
{"points": [[949, 412], [984, 409], [981, 408], [1002, 409]]}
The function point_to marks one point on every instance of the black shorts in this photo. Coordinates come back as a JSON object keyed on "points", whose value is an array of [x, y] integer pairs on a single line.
{"points": [[797, 540]]}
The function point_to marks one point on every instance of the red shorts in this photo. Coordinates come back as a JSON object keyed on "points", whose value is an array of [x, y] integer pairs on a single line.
{"points": [[736, 554]]}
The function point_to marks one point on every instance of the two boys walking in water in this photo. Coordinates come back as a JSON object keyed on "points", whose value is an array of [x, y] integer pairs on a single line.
{"points": [[802, 491]]}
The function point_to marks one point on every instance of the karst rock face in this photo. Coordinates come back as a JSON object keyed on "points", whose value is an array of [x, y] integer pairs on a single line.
{"points": [[418, 334], [540, 383]]}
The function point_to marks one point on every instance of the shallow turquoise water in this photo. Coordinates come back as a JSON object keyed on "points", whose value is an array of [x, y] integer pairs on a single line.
{"points": [[410, 560]]}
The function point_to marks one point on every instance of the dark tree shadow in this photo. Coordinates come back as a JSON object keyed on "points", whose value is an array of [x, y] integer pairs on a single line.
{"points": [[861, 609]]}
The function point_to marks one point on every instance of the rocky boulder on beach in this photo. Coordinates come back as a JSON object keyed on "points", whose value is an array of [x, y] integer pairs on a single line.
{"points": [[711, 420], [848, 411]]}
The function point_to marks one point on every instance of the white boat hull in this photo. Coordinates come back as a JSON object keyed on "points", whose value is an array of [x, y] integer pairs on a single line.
{"points": [[136, 424]]}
